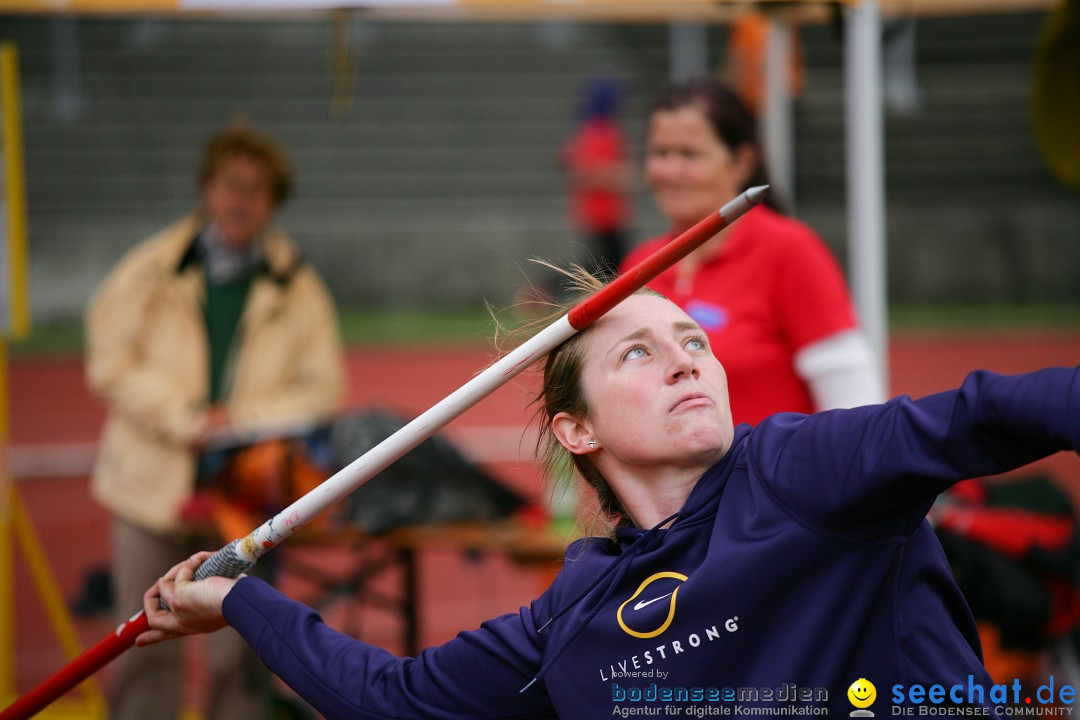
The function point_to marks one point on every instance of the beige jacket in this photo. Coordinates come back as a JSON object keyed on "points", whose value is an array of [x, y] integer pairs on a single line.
{"points": [[147, 357]]}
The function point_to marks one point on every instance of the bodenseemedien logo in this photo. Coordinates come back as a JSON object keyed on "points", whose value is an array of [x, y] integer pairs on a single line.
{"points": [[862, 695], [643, 614]]}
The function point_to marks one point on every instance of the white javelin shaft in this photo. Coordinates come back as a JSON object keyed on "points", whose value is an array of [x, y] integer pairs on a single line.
{"points": [[405, 439], [241, 553]]}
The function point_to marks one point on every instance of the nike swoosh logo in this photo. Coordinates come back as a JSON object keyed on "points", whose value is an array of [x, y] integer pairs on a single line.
{"points": [[642, 603]]}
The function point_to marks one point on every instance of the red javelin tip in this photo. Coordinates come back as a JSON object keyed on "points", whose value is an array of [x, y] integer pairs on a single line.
{"points": [[586, 312]]}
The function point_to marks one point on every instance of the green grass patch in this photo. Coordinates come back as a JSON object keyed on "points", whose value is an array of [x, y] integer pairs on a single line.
{"points": [[359, 327], [998, 317], [362, 327], [59, 338]]}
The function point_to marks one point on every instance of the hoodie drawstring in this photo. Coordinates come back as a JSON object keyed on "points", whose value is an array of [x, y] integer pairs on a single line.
{"points": [[619, 566]]}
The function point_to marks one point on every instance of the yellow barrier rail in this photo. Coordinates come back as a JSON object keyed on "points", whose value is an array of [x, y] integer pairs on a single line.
{"points": [[605, 10]]}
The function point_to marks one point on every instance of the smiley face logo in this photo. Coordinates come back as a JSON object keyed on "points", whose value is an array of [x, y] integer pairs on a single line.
{"points": [[862, 693]]}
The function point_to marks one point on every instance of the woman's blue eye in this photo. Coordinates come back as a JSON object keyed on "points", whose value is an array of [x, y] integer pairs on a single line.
{"points": [[634, 352], [695, 344]]}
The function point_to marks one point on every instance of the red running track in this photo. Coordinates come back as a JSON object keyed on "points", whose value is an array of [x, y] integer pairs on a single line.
{"points": [[55, 421]]}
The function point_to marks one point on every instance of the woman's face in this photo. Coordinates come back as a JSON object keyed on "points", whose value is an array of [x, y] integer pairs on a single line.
{"points": [[656, 394], [239, 199], [690, 170]]}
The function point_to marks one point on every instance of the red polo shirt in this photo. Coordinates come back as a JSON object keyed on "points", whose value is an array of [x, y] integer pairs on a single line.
{"points": [[594, 149]]}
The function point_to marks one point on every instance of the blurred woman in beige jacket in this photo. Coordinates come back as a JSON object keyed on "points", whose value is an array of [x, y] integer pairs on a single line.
{"points": [[214, 324]]}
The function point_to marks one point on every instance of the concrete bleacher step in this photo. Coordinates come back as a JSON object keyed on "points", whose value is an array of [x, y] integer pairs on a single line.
{"points": [[972, 212], [445, 153], [441, 154]]}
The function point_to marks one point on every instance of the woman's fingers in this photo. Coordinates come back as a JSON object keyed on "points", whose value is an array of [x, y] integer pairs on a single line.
{"points": [[162, 623], [153, 636], [186, 572], [176, 606]]}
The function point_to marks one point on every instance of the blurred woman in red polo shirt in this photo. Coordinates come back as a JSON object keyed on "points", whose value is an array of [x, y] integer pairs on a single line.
{"points": [[597, 164], [767, 290]]}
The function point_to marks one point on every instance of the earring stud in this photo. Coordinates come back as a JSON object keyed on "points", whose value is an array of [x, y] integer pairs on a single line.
{"points": [[592, 442]]}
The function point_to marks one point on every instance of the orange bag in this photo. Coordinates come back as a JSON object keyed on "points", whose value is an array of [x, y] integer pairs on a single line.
{"points": [[260, 480]]}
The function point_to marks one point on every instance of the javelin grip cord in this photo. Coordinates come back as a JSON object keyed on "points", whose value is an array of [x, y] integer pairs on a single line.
{"points": [[226, 562]]}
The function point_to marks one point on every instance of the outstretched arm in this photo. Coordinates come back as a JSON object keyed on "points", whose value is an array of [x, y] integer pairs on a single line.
{"points": [[478, 674], [873, 471]]}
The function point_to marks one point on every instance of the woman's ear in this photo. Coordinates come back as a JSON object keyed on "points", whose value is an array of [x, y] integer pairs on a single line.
{"points": [[573, 434], [746, 161]]}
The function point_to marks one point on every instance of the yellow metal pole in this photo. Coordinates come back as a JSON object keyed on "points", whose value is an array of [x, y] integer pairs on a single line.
{"points": [[15, 238], [15, 192], [49, 592]]}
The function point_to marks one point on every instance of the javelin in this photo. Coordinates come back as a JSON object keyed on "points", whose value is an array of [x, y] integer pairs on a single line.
{"points": [[240, 554]]}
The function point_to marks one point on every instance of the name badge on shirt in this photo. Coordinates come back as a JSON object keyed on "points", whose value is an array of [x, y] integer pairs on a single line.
{"points": [[709, 316]]}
